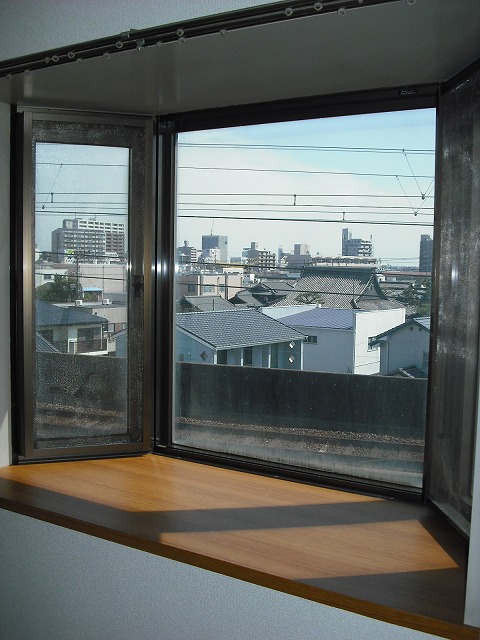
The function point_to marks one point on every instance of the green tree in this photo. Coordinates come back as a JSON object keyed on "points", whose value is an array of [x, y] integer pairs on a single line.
{"points": [[418, 297], [62, 289]]}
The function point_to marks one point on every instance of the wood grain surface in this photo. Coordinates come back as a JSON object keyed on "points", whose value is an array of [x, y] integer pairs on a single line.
{"points": [[390, 560]]}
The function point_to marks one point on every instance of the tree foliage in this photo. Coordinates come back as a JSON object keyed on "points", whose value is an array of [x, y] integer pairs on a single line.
{"points": [[62, 289], [418, 297]]}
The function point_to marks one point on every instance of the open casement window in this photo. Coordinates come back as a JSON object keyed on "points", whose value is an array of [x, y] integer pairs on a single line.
{"points": [[83, 316], [453, 397]]}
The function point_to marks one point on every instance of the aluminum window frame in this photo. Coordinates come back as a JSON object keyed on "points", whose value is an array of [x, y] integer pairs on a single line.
{"points": [[364, 102], [141, 198]]}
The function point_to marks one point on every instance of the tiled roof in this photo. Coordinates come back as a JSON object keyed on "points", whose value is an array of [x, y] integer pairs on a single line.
{"points": [[263, 294], [237, 328], [322, 318], [424, 321], [43, 345], [207, 303], [412, 371], [277, 286], [48, 315], [244, 297], [339, 288]]}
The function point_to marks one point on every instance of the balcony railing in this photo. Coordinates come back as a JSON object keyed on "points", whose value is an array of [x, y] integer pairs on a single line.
{"points": [[81, 345]]}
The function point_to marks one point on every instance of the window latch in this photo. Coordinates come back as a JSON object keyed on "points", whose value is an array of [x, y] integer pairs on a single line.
{"points": [[137, 283]]}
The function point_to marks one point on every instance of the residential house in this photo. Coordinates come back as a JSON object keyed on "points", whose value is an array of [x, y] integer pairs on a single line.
{"points": [[220, 283], [71, 329], [338, 339], [241, 337], [404, 349]]}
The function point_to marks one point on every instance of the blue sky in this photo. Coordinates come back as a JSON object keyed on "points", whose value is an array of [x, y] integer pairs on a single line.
{"points": [[291, 189], [398, 146]]}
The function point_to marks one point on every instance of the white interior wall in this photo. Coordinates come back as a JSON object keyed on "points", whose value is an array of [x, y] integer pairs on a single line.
{"points": [[472, 598], [63, 584]]}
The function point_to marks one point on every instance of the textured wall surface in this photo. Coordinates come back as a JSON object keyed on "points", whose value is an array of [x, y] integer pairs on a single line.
{"points": [[57, 584]]}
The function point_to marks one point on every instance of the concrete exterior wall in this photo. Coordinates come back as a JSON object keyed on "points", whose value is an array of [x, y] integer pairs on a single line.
{"points": [[332, 401], [334, 351], [367, 325]]}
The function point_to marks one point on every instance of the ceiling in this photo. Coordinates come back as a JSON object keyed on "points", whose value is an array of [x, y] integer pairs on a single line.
{"points": [[397, 44]]}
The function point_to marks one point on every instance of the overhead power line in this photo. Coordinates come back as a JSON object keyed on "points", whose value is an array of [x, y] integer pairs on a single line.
{"points": [[307, 172], [286, 147]]}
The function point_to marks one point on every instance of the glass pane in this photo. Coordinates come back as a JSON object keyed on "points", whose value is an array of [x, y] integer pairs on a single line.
{"points": [[81, 302], [304, 268], [455, 381]]}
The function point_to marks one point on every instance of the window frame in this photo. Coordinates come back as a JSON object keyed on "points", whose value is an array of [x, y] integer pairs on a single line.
{"points": [[139, 410], [364, 102]]}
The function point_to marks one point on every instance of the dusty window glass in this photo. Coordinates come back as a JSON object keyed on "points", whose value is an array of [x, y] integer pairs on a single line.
{"points": [[81, 237], [318, 235], [82, 308]]}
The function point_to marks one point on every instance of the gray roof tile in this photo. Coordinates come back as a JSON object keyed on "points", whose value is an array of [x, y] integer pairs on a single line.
{"points": [[207, 303], [237, 328], [322, 318], [48, 315], [339, 288]]}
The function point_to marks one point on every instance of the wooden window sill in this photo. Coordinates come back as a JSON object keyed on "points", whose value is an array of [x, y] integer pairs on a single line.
{"points": [[392, 561]]}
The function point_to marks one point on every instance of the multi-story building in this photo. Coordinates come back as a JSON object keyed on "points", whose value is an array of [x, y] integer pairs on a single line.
{"points": [[222, 284], [216, 242], [88, 241], [355, 246], [259, 257], [187, 255], [426, 253], [299, 258]]}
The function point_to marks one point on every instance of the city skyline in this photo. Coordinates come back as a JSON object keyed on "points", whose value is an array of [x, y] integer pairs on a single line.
{"points": [[301, 182], [274, 184]]}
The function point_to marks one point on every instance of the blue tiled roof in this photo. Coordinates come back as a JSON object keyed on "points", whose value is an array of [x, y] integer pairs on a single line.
{"points": [[236, 328], [322, 318]]}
